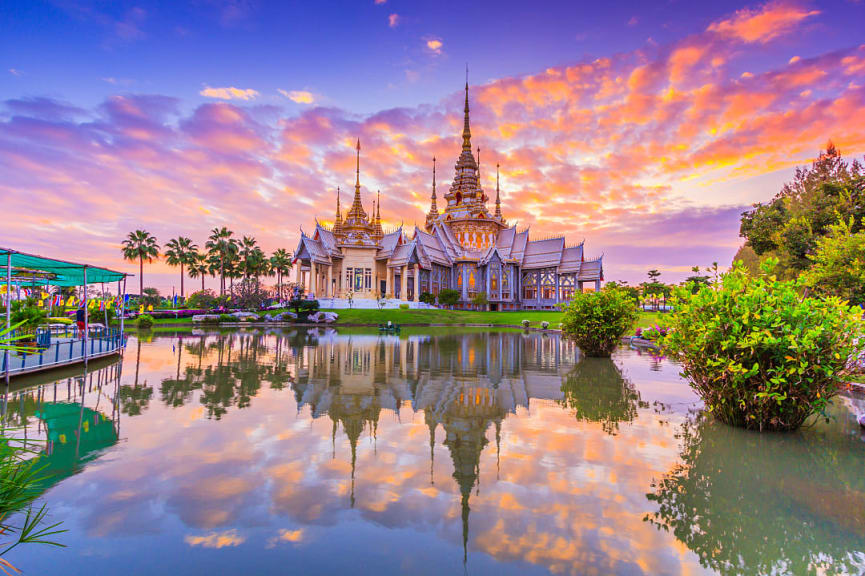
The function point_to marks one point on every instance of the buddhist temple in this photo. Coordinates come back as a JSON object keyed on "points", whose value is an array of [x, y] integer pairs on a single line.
{"points": [[462, 246]]}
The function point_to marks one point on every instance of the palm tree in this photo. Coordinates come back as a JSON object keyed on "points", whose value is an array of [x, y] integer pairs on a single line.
{"points": [[248, 256], [180, 251], [221, 248], [140, 245], [198, 266], [280, 263]]}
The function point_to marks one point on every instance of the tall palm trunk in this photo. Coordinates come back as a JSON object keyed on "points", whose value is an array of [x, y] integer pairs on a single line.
{"points": [[181, 280], [202, 281], [221, 276], [140, 276]]}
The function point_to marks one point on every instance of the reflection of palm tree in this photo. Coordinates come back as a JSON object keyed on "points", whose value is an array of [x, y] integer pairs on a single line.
{"points": [[134, 399], [749, 503], [596, 391]]}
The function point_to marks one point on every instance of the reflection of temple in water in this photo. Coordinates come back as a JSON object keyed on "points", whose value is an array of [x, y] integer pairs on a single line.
{"points": [[462, 383]]}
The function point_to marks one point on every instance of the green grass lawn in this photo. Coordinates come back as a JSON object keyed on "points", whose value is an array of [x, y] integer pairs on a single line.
{"points": [[435, 316]]}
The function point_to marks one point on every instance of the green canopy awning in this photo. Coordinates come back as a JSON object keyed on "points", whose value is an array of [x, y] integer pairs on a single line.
{"points": [[55, 272]]}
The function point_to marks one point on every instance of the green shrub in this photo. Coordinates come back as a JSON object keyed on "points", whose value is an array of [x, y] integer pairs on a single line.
{"points": [[525, 323], [202, 300], [760, 354], [480, 299], [426, 298], [227, 318], [59, 320], [309, 306], [26, 313], [545, 325], [598, 320], [448, 297], [403, 306], [145, 321]]}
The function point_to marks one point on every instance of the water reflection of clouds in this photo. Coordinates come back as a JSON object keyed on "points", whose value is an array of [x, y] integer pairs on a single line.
{"points": [[525, 465]]}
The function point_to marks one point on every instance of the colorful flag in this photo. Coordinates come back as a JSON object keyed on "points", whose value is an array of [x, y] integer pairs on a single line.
{"points": [[141, 309]]}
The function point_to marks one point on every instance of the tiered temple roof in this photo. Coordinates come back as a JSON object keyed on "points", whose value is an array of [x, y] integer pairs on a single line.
{"points": [[464, 231]]}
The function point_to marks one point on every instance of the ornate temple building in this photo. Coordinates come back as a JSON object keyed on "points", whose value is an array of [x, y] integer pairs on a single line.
{"points": [[463, 247]]}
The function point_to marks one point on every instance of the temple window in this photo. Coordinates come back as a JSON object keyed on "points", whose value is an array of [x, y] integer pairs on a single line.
{"points": [[548, 284], [530, 287]]}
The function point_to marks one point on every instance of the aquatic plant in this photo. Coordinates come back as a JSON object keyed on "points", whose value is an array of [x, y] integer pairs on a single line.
{"points": [[760, 353], [145, 321], [598, 320]]}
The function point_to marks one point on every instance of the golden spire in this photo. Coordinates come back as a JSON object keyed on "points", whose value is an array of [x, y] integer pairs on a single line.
{"points": [[357, 182], [337, 223], [357, 216], [498, 198], [467, 132], [377, 231], [433, 209]]}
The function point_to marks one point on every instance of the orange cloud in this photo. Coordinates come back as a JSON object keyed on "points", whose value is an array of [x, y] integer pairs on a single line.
{"points": [[229, 93], [762, 24]]}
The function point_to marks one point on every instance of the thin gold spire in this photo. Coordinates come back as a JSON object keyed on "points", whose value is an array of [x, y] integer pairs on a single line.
{"points": [[357, 182], [467, 131], [498, 198]]}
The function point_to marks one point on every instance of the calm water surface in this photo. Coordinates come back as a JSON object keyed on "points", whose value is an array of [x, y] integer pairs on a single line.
{"points": [[438, 452]]}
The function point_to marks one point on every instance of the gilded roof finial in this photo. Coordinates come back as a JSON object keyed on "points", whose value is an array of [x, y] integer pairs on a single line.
{"points": [[434, 180], [357, 183], [467, 132], [498, 198]]}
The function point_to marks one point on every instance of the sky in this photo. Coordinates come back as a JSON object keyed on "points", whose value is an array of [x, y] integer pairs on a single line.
{"points": [[644, 130]]}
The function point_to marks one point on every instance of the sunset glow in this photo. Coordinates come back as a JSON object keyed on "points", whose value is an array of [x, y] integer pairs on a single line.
{"points": [[649, 147]]}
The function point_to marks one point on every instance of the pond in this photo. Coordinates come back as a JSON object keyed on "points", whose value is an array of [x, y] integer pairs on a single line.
{"points": [[436, 451]]}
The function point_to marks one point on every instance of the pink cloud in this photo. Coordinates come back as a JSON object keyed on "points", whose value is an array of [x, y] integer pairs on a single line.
{"points": [[620, 151]]}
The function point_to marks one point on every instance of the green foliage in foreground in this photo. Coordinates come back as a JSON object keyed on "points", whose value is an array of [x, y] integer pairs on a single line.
{"points": [[760, 354], [20, 521], [598, 320], [145, 321]]}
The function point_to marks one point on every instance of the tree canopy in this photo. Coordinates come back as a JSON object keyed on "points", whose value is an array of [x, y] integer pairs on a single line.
{"points": [[790, 226]]}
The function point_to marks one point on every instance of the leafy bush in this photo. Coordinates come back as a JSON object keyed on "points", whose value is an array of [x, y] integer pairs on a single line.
{"points": [[838, 267], [249, 294], [59, 320], [760, 354], [448, 297], [27, 312], [480, 299], [545, 325], [150, 297], [227, 318], [203, 299], [403, 306], [309, 306], [525, 323], [654, 332], [598, 320], [426, 298], [145, 321]]}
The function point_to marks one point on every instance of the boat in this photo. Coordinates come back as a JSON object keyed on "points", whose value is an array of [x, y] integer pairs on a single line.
{"points": [[389, 328]]}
